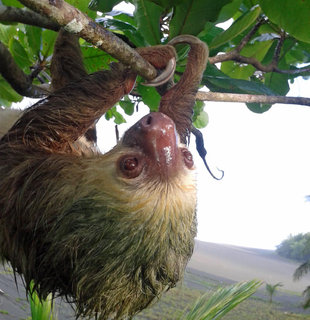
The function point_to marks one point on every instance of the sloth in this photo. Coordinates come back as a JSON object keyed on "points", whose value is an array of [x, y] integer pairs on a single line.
{"points": [[109, 232]]}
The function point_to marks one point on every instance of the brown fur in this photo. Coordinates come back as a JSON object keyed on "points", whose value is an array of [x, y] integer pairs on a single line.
{"points": [[70, 221], [179, 101], [67, 62]]}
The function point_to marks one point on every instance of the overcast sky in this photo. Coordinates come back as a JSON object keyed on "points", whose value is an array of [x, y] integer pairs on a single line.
{"points": [[266, 159]]}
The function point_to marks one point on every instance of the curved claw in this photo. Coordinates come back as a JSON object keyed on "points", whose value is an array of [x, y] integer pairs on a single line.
{"points": [[164, 76]]}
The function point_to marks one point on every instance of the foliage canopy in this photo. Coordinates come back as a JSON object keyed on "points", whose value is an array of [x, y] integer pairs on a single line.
{"points": [[295, 247], [259, 51]]}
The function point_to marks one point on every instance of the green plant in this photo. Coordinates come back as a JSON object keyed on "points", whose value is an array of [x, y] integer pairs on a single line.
{"points": [[41, 309], [221, 302], [302, 270], [4, 312], [271, 289]]}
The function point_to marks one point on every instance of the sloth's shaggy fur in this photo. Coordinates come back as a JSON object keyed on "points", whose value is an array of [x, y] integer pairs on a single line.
{"points": [[73, 223]]}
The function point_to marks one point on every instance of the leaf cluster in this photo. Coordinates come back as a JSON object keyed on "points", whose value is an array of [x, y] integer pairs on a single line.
{"points": [[41, 309], [259, 49], [222, 301], [295, 247]]}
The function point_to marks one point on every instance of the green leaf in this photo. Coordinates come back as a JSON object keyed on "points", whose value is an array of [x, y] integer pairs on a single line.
{"points": [[258, 107], [150, 97], [127, 29], [297, 55], [147, 15], [108, 115], [222, 301], [229, 10], [7, 93], [126, 18], [7, 33], [12, 3], [118, 118], [290, 15], [127, 106], [277, 82], [113, 113], [19, 53], [167, 4], [95, 59], [202, 120], [199, 119], [208, 34], [256, 49], [191, 16], [83, 6], [216, 80], [4, 102], [103, 5], [237, 70], [198, 108], [240, 25], [34, 37]]}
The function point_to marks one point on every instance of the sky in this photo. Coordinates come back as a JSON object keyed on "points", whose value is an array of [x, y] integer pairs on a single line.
{"points": [[266, 159]]}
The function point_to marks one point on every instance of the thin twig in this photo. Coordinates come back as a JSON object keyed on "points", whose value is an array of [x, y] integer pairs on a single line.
{"points": [[250, 98], [249, 36], [277, 52], [234, 55]]}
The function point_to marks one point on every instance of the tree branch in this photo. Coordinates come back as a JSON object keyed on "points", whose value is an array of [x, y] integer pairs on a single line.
{"points": [[73, 20], [52, 14], [250, 98], [251, 33], [276, 56], [26, 16], [15, 76], [234, 55]]}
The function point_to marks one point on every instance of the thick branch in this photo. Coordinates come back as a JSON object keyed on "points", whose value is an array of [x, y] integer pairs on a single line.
{"points": [[19, 81], [250, 98], [73, 20], [108, 42], [26, 16]]}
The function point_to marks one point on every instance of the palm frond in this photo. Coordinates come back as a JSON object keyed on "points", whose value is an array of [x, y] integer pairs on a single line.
{"points": [[302, 270], [306, 294], [222, 301]]}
